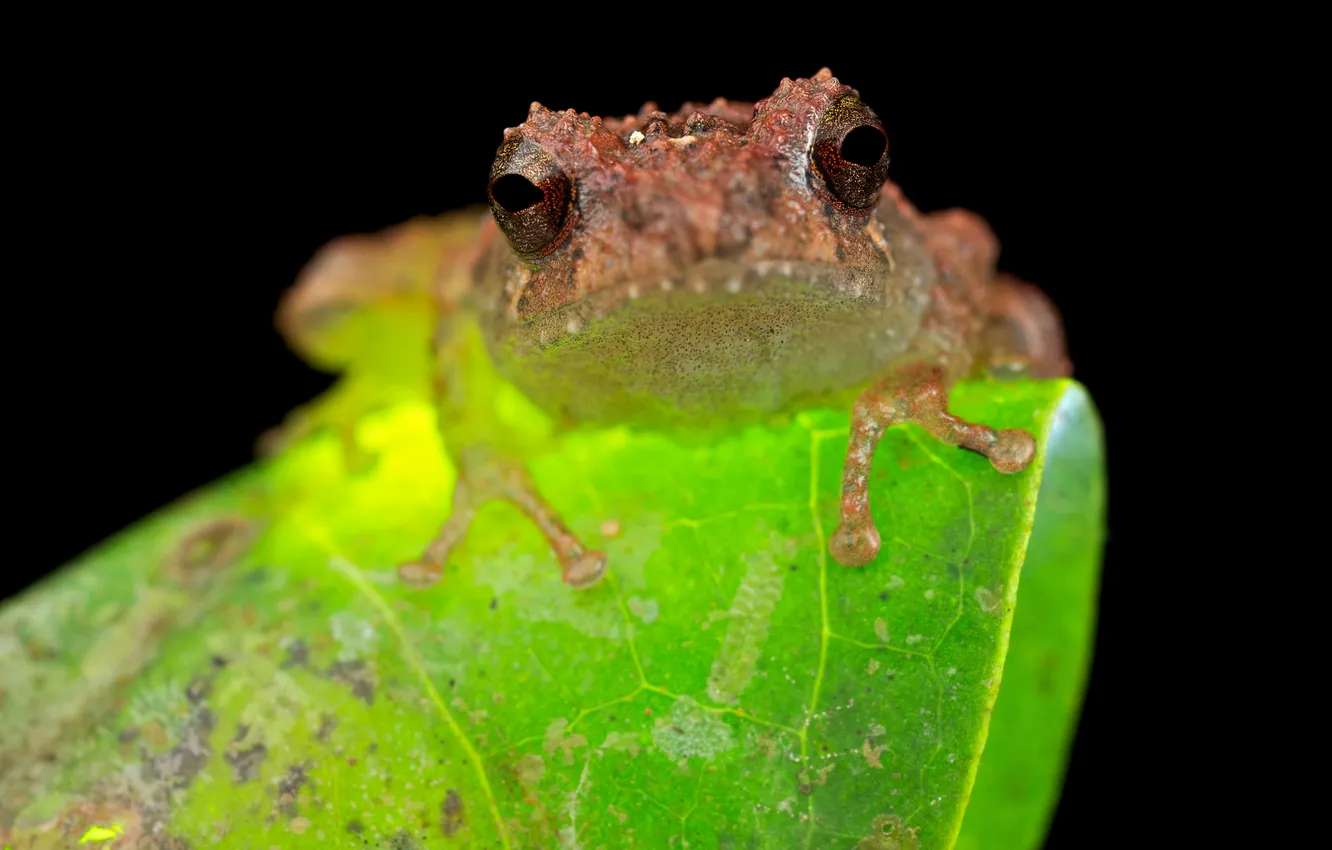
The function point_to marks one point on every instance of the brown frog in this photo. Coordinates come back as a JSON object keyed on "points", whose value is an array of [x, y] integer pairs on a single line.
{"points": [[721, 264]]}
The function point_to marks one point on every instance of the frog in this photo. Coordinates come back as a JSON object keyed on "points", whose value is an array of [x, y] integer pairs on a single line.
{"points": [[722, 264]]}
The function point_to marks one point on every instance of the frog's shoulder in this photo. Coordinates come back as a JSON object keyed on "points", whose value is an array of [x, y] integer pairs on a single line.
{"points": [[360, 278]]}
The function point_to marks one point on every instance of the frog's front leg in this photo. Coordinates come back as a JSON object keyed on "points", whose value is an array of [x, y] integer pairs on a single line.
{"points": [[487, 465], [483, 478], [922, 398]]}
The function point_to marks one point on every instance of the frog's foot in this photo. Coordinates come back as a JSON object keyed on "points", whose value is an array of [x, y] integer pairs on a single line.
{"points": [[924, 402], [580, 567]]}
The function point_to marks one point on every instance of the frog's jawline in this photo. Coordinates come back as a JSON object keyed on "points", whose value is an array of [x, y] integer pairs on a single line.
{"points": [[728, 342]]}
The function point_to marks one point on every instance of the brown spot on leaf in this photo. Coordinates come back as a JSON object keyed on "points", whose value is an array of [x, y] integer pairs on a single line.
{"points": [[245, 762], [298, 654], [327, 723], [289, 789], [208, 548], [451, 813], [871, 753], [356, 675], [198, 690], [889, 833]]}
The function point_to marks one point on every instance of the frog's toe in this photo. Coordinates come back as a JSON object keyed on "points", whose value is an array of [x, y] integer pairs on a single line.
{"points": [[1012, 451], [855, 546], [585, 570]]}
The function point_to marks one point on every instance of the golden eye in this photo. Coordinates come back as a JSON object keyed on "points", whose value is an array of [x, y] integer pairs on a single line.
{"points": [[851, 153], [531, 197]]}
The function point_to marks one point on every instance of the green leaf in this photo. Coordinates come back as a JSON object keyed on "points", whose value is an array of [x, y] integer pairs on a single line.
{"points": [[245, 669]]}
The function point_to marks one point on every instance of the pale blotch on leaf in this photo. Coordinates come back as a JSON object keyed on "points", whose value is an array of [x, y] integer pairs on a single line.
{"points": [[872, 667], [620, 741], [895, 582], [356, 638], [914, 639], [530, 769], [556, 740], [880, 629], [989, 602], [480, 715], [644, 609], [766, 744], [689, 731], [750, 615], [871, 753]]}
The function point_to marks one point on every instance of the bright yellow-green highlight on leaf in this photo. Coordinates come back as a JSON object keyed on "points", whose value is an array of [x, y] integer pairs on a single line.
{"points": [[245, 669], [101, 833]]}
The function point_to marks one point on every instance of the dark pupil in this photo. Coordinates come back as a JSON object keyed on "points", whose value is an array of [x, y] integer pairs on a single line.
{"points": [[515, 193], [863, 146]]}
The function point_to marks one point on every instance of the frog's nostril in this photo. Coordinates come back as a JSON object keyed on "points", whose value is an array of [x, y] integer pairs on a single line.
{"points": [[864, 146], [515, 192]]}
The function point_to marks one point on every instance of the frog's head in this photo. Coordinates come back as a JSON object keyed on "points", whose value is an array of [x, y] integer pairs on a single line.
{"points": [[727, 198]]}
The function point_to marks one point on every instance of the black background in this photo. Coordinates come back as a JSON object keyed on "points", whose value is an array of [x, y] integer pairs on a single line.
{"points": [[183, 192]]}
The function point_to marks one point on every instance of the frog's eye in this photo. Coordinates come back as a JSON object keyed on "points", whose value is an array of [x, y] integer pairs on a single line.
{"points": [[530, 197], [851, 153]]}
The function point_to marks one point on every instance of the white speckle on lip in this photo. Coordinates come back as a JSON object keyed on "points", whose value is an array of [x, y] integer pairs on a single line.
{"points": [[733, 285], [575, 325], [785, 269], [763, 267], [700, 286], [635, 137], [667, 284], [633, 290]]}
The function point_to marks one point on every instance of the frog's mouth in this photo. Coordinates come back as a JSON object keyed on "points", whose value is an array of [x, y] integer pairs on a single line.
{"points": [[772, 294], [721, 344]]}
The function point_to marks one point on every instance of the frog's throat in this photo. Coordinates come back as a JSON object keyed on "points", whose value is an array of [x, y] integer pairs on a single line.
{"points": [[822, 287]]}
